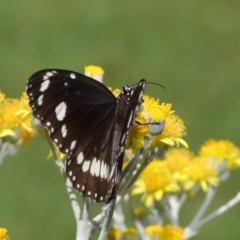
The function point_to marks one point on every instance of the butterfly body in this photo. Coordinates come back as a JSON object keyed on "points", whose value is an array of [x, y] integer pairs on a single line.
{"points": [[88, 123]]}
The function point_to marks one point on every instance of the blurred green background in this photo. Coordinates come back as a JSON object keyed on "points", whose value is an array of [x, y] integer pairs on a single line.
{"points": [[191, 47]]}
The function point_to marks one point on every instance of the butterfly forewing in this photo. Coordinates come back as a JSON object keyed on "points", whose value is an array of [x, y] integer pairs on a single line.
{"points": [[88, 123]]}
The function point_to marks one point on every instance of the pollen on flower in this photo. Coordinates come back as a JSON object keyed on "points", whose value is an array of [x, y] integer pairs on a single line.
{"points": [[154, 182], [201, 171], [94, 72], [222, 151]]}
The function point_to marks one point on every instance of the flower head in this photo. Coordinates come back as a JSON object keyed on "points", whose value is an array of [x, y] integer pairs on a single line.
{"points": [[177, 160], [3, 234], [222, 151], [114, 234], [155, 181], [15, 119], [154, 231], [173, 132], [167, 232], [172, 233], [94, 72], [130, 234], [201, 171]]}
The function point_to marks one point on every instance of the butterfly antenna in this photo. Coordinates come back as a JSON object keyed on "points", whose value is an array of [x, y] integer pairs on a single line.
{"points": [[158, 84], [154, 83]]}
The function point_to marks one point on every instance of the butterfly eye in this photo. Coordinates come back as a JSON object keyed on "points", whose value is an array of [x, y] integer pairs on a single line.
{"points": [[88, 124]]}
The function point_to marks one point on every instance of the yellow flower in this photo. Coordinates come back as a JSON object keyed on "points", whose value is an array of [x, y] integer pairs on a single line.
{"points": [[177, 160], [173, 132], [130, 234], [201, 171], [94, 72], [153, 231], [114, 234], [222, 151], [3, 234], [24, 113], [155, 112], [167, 232], [15, 119], [152, 112], [154, 182], [172, 233]]}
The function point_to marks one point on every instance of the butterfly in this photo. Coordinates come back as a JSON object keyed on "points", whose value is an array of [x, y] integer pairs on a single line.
{"points": [[88, 124]]}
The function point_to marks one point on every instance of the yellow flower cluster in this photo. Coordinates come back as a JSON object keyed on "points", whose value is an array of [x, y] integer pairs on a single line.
{"points": [[223, 152], [154, 232], [180, 170], [15, 119]]}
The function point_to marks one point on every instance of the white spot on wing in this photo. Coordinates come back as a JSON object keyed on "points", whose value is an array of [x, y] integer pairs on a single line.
{"points": [[72, 76], [49, 74], [73, 144], [86, 166], [64, 130], [80, 158], [93, 165], [40, 100], [123, 138], [69, 162], [97, 168], [130, 119], [112, 171], [44, 85], [60, 111], [103, 172], [140, 96]]}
